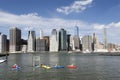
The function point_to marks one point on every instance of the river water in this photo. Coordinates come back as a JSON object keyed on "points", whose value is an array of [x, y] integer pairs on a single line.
{"points": [[89, 67]]}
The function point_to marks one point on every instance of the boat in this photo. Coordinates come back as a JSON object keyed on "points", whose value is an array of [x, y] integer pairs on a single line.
{"points": [[57, 67], [15, 66], [1, 61], [45, 66], [37, 66], [71, 66]]}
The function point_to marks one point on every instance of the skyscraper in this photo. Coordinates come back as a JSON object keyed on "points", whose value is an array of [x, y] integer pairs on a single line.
{"points": [[68, 42], [94, 42], [54, 41], [76, 39], [87, 43], [41, 34], [3, 43], [47, 42], [15, 39], [40, 44], [76, 31], [76, 42], [105, 38], [62, 40], [72, 43], [31, 41]]}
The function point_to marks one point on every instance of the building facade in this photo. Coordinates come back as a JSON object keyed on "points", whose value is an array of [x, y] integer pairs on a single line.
{"points": [[31, 41], [62, 40], [41, 44], [76, 42], [54, 41], [15, 39], [72, 43], [76, 32], [68, 43], [105, 38], [76, 39], [3, 43], [87, 43], [47, 42], [41, 34]]}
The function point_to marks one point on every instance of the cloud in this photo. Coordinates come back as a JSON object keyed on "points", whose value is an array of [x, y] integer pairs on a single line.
{"points": [[113, 24], [33, 21], [110, 25], [76, 6]]}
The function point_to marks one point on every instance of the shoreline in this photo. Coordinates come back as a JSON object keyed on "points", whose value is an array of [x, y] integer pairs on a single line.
{"points": [[67, 52]]}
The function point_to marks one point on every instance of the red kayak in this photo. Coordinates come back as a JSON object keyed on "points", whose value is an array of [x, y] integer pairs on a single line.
{"points": [[15, 66], [71, 66]]}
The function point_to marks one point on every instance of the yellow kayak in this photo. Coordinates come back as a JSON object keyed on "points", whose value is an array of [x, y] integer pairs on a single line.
{"points": [[46, 67]]}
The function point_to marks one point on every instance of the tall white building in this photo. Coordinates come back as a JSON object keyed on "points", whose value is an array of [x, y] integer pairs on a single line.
{"points": [[105, 38], [41, 34], [3, 43], [72, 43], [31, 41], [54, 41]]}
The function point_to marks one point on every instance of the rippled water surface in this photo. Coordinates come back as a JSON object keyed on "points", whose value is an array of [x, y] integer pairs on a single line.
{"points": [[89, 67]]}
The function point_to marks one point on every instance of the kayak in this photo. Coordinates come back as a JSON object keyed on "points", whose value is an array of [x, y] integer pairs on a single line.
{"points": [[58, 67], [45, 66], [71, 66], [15, 66]]}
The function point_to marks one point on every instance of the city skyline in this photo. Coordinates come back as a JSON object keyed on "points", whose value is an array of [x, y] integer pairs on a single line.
{"points": [[91, 16], [57, 42]]}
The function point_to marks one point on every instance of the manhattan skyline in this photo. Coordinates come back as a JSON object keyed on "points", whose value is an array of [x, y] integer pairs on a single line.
{"points": [[89, 15]]}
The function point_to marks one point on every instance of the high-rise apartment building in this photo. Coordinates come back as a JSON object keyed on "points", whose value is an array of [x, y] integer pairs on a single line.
{"points": [[54, 41], [68, 42], [62, 40], [47, 42], [3, 43], [95, 44], [40, 44], [105, 38], [31, 41], [15, 39], [76, 42], [72, 43], [87, 43]]}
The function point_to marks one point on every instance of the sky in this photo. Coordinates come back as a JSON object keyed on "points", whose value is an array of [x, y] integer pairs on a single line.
{"points": [[91, 16]]}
